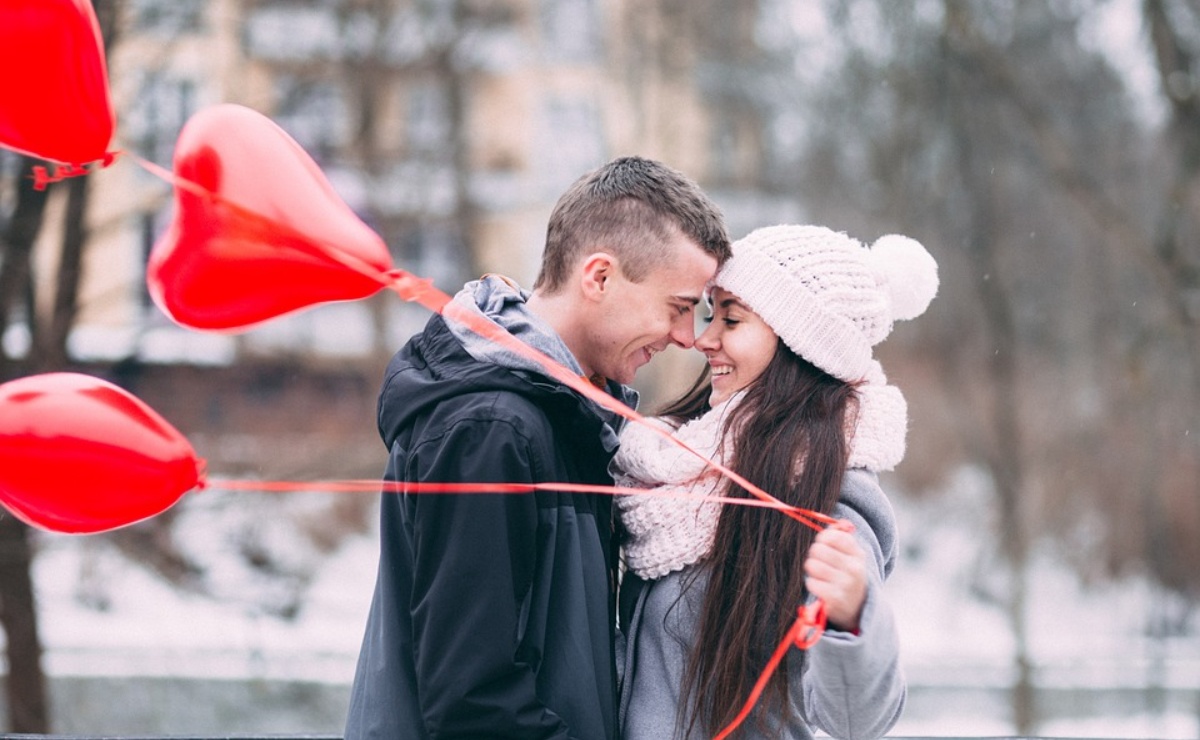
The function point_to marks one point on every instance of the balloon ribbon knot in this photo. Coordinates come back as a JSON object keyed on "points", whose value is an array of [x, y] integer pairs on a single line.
{"points": [[201, 474], [42, 176], [804, 633]]}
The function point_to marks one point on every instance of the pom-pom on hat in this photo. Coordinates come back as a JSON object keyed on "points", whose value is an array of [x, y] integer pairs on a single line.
{"points": [[829, 298]]}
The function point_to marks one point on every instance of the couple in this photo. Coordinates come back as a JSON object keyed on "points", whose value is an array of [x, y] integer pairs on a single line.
{"points": [[495, 615]]}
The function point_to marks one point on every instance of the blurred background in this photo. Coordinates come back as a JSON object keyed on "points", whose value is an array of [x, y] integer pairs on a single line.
{"points": [[1046, 152]]}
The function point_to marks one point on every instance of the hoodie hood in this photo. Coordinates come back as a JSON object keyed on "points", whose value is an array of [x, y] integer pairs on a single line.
{"points": [[504, 303], [447, 360]]}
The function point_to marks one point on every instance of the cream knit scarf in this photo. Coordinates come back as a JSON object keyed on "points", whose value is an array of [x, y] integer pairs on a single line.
{"points": [[668, 533]]}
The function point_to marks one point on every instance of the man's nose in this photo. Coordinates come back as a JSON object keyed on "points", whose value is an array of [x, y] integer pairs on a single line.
{"points": [[684, 332]]}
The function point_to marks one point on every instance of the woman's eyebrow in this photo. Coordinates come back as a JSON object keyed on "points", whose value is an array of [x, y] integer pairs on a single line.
{"points": [[731, 302]]}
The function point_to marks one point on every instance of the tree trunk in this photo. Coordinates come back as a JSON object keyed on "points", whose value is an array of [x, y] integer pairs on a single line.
{"points": [[456, 82], [25, 684], [16, 248], [51, 350], [1004, 457], [1177, 219]]}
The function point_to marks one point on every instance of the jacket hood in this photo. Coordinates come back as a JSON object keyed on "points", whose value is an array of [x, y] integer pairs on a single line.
{"points": [[503, 302], [435, 366]]}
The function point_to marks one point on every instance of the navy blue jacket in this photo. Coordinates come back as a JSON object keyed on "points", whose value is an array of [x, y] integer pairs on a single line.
{"points": [[493, 614]]}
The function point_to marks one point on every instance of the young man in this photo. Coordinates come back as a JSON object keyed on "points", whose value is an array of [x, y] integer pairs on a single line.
{"points": [[493, 615]]}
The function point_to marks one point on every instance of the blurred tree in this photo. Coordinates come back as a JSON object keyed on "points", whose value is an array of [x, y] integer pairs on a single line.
{"points": [[382, 100], [21, 228], [46, 351], [431, 75], [1173, 542], [24, 683], [1063, 342]]}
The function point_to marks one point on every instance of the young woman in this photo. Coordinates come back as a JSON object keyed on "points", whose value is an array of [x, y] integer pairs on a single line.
{"points": [[793, 401]]}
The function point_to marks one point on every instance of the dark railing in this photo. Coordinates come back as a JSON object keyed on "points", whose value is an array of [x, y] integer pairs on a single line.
{"points": [[236, 736], [243, 736], [265, 736]]}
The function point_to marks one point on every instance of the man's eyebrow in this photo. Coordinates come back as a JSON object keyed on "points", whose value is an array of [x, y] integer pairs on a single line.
{"points": [[694, 300]]}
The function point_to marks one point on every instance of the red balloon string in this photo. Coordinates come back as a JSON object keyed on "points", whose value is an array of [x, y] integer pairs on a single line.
{"points": [[810, 518], [42, 177], [490, 330], [166, 175], [804, 633], [422, 291], [810, 622]]}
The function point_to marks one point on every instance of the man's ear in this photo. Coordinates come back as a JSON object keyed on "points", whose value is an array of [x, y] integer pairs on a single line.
{"points": [[597, 270]]}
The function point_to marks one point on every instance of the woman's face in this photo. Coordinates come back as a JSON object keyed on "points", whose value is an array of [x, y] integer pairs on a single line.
{"points": [[738, 344]]}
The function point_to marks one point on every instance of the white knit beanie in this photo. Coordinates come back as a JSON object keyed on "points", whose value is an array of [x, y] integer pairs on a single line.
{"points": [[829, 298]]}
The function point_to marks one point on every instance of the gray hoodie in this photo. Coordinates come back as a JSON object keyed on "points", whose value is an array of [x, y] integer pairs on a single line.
{"points": [[851, 686]]}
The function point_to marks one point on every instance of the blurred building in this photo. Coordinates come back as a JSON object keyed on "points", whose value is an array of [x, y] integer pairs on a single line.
{"points": [[449, 127]]}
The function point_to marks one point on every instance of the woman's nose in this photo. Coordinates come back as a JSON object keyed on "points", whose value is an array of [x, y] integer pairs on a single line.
{"points": [[708, 341]]}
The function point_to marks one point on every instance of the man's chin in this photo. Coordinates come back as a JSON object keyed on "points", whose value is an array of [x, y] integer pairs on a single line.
{"points": [[625, 376]]}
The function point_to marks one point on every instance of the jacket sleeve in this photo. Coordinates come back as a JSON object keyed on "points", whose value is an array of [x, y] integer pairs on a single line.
{"points": [[852, 684], [474, 560]]}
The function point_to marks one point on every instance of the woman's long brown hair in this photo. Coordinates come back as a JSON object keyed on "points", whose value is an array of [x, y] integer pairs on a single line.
{"points": [[792, 419]]}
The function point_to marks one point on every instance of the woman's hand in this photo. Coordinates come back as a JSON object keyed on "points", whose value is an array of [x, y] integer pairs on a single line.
{"points": [[836, 570]]}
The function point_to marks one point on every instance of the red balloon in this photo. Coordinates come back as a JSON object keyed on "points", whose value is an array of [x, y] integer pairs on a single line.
{"points": [[54, 98], [80, 455], [258, 230]]}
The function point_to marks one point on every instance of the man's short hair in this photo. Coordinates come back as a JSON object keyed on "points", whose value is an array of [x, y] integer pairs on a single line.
{"points": [[630, 207]]}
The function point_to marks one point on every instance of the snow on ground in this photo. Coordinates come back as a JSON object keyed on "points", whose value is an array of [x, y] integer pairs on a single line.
{"points": [[148, 627], [956, 648], [1099, 674]]}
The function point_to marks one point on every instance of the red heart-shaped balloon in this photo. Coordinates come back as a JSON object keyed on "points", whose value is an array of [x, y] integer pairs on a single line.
{"points": [[54, 97], [80, 455], [258, 230]]}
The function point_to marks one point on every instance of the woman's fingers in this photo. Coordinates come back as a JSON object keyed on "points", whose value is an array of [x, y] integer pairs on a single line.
{"points": [[836, 572]]}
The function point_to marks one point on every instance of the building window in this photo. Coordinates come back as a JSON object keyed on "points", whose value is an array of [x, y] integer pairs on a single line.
{"points": [[570, 29], [169, 16], [428, 120], [570, 141], [148, 233], [313, 113], [291, 32], [163, 104]]}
